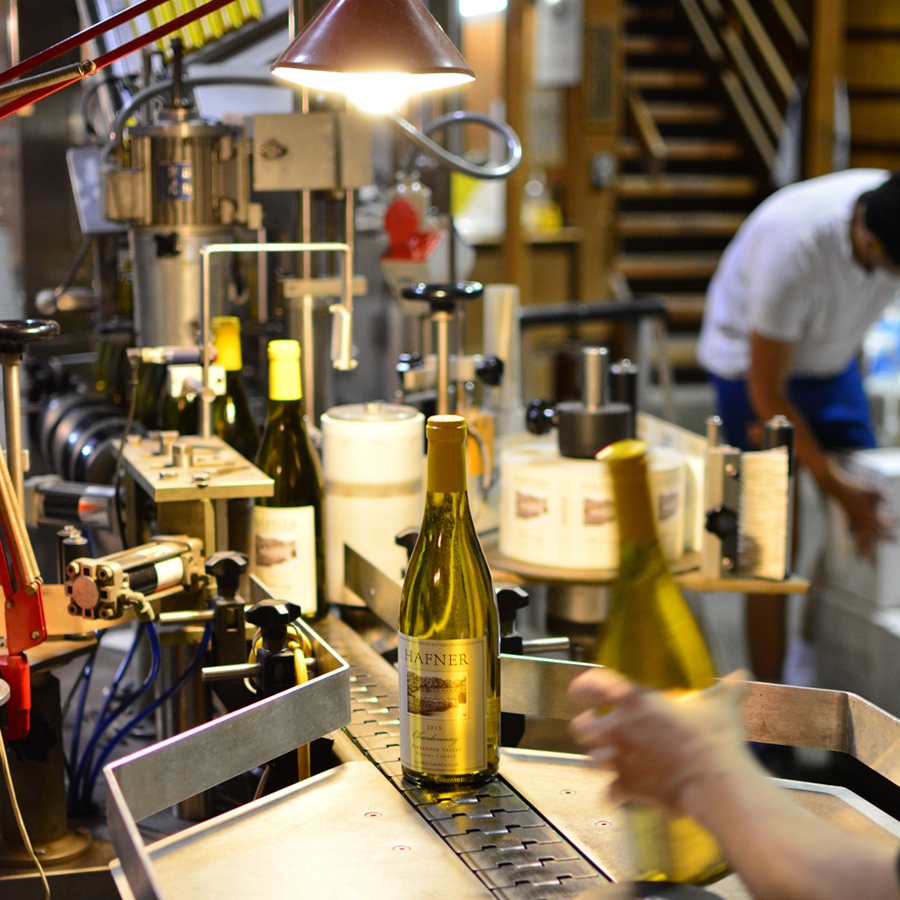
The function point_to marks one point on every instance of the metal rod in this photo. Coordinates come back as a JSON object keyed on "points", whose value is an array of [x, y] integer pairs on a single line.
{"points": [[261, 249], [77, 40], [61, 77], [594, 376], [101, 62], [13, 418], [441, 323]]}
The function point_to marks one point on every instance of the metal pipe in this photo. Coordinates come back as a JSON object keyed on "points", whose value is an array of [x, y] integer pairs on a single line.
{"points": [[441, 323], [12, 412], [261, 249]]}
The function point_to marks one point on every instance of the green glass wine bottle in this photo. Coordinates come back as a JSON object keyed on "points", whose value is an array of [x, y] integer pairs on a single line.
{"points": [[449, 633], [231, 417], [652, 637], [288, 546]]}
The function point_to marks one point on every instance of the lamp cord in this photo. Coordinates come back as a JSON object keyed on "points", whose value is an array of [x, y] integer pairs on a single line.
{"points": [[7, 774]]}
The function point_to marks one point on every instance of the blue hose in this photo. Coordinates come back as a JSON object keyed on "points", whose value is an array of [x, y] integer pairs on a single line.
{"points": [[86, 673], [150, 708], [105, 720]]}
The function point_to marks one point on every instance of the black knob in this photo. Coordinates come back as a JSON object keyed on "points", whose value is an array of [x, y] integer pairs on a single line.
{"points": [[443, 297], [227, 567], [407, 539], [510, 599], [722, 522], [272, 617], [490, 370], [16, 333], [540, 416]]}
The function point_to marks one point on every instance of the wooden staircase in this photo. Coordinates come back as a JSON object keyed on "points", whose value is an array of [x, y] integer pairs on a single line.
{"points": [[693, 161]]}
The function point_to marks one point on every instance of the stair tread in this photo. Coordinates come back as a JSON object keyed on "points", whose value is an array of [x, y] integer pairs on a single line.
{"points": [[687, 113], [687, 149], [653, 44], [687, 185], [668, 265], [675, 79], [652, 224]]}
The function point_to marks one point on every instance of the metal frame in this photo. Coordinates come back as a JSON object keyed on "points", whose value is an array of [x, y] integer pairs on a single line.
{"points": [[164, 774]]}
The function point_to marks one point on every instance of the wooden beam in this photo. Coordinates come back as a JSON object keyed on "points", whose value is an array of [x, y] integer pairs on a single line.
{"points": [[518, 78], [826, 70]]}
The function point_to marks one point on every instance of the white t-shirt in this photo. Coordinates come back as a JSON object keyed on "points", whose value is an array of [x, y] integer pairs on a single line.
{"points": [[789, 275]]}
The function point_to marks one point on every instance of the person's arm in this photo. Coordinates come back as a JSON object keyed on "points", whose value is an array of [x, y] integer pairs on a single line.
{"points": [[770, 363], [687, 754]]}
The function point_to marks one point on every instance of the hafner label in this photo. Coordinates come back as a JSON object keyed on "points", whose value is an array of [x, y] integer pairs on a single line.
{"points": [[442, 705], [284, 553]]}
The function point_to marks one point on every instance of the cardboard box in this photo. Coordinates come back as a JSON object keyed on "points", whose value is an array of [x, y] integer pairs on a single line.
{"points": [[871, 585]]}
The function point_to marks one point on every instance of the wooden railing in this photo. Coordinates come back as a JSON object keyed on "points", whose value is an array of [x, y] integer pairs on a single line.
{"points": [[756, 67]]}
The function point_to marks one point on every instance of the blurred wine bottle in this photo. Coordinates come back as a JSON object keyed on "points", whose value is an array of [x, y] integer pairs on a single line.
{"points": [[652, 637]]}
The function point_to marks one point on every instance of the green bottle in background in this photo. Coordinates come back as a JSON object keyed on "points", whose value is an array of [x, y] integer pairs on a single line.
{"points": [[288, 546]]}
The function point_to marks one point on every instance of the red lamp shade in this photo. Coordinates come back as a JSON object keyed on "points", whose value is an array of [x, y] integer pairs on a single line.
{"points": [[371, 43]]}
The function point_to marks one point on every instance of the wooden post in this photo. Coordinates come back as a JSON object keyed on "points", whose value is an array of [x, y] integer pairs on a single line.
{"points": [[826, 70], [518, 74]]}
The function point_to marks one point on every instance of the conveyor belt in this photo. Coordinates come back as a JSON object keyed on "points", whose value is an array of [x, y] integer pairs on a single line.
{"points": [[508, 845]]}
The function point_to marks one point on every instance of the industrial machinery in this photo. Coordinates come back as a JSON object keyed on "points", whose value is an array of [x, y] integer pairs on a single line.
{"points": [[262, 220]]}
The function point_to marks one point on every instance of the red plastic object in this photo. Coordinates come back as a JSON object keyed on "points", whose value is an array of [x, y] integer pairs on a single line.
{"points": [[15, 672]]}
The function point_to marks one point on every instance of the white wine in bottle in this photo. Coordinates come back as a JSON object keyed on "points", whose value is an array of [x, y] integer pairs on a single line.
{"points": [[652, 637], [231, 417], [288, 546], [449, 641]]}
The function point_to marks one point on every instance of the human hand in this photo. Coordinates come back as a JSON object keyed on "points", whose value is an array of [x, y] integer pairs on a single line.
{"points": [[860, 501], [666, 749]]}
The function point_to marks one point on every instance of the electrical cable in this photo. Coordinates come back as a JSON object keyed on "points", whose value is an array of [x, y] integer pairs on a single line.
{"points": [[85, 678], [77, 683], [66, 283], [80, 801], [151, 707], [17, 812], [134, 366], [113, 689]]}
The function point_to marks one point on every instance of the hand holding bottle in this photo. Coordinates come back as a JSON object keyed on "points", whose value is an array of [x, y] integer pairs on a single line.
{"points": [[686, 753], [666, 749]]}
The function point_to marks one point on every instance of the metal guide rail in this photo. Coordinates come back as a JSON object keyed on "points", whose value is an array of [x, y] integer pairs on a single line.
{"points": [[508, 845]]}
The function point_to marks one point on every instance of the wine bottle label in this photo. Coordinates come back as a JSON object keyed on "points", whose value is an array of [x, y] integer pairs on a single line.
{"points": [[442, 705], [284, 553]]}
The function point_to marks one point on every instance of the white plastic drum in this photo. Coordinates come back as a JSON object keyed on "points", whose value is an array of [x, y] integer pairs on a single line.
{"points": [[560, 512], [372, 457]]}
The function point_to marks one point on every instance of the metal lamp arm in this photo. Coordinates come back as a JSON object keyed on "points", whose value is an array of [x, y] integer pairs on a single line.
{"points": [[452, 160]]}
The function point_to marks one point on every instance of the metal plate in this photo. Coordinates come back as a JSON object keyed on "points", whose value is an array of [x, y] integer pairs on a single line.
{"points": [[229, 474], [344, 833]]}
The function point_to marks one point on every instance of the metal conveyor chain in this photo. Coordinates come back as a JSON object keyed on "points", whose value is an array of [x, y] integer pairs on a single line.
{"points": [[512, 849]]}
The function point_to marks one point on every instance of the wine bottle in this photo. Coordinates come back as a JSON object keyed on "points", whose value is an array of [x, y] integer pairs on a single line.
{"points": [[288, 546], [231, 417], [651, 636], [449, 634]]}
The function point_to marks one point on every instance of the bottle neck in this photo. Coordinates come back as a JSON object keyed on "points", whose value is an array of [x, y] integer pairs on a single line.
{"points": [[446, 467], [634, 507], [284, 380]]}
